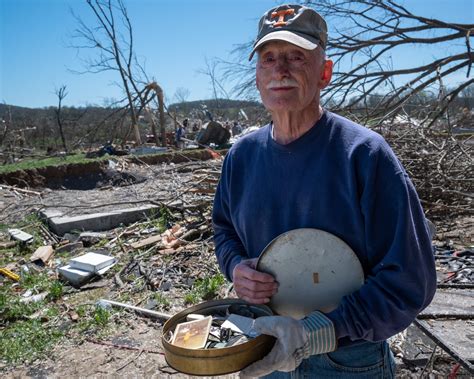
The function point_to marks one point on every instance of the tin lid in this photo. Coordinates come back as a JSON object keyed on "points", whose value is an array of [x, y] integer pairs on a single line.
{"points": [[314, 269]]}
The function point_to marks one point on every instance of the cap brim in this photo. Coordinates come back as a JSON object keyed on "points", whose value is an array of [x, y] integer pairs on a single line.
{"points": [[284, 35]]}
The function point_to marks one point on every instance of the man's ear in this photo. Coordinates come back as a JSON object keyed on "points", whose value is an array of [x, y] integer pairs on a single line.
{"points": [[326, 73]]}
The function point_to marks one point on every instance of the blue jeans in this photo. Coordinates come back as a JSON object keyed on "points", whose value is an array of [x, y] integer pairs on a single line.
{"points": [[365, 361]]}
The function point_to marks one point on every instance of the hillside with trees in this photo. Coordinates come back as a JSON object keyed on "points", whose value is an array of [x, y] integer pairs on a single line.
{"points": [[87, 127]]}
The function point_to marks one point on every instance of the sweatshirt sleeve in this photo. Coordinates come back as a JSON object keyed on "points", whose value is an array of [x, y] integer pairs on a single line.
{"points": [[400, 276], [228, 246]]}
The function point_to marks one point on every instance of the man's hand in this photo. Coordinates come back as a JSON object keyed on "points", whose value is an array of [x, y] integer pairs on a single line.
{"points": [[251, 285], [296, 340]]}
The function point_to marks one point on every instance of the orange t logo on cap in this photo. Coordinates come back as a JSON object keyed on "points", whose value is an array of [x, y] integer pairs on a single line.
{"points": [[281, 16]]}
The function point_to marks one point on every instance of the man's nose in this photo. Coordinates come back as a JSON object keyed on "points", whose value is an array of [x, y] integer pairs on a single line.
{"points": [[282, 65]]}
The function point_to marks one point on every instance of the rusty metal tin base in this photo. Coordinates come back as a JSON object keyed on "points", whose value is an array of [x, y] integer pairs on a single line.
{"points": [[215, 361]]}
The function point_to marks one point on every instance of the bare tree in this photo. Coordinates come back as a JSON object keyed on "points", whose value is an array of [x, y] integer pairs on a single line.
{"points": [[212, 71], [61, 94], [364, 36], [371, 32], [112, 39], [182, 94], [5, 125], [158, 95], [240, 71]]}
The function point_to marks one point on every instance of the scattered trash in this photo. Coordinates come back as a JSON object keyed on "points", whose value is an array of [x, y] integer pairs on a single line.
{"points": [[20, 235], [42, 254], [34, 298], [9, 274], [455, 267]]}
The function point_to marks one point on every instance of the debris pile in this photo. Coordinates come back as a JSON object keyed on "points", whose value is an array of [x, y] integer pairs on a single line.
{"points": [[166, 249], [164, 260], [455, 267], [440, 166]]}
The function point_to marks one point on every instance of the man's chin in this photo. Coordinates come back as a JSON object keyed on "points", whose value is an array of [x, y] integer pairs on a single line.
{"points": [[283, 104]]}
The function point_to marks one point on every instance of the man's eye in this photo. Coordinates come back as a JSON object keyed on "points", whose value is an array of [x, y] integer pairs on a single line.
{"points": [[295, 58], [268, 59]]}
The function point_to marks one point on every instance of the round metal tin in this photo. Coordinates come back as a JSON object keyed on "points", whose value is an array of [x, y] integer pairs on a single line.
{"points": [[314, 269], [216, 361]]}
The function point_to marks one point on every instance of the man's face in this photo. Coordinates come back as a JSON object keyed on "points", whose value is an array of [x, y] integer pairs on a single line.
{"points": [[290, 78]]}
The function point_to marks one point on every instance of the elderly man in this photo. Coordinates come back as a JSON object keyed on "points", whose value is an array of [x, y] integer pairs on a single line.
{"points": [[310, 168]]}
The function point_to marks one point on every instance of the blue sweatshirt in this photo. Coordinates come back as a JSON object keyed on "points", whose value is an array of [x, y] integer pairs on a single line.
{"points": [[342, 178]]}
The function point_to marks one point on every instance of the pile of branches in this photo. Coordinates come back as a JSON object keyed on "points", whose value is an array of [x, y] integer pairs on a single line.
{"points": [[440, 165]]}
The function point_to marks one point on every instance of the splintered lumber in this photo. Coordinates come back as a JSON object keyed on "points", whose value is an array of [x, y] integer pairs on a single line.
{"points": [[42, 253], [146, 242]]}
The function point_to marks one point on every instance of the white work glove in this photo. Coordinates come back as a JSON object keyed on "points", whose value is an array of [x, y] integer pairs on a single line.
{"points": [[296, 340]]}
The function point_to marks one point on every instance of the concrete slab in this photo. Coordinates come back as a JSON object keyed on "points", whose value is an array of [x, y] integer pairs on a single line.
{"points": [[74, 276], [450, 302], [95, 222]]}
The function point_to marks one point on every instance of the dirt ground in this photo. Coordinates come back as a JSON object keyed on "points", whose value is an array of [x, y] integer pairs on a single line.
{"points": [[132, 347], [97, 360]]}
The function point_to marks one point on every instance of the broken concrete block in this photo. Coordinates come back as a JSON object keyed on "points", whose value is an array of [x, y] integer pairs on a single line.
{"points": [[97, 221], [74, 276], [91, 262], [20, 235], [43, 254], [78, 277]]}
